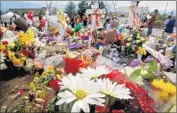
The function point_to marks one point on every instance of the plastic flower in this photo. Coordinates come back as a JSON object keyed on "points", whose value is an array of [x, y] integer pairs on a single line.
{"points": [[2, 57], [94, 73], [82, 91], [113, 89]]}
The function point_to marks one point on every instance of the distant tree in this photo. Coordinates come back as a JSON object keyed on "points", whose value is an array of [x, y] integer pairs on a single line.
{"points": [[160, 19], [83, 6], [54, 10], [101, 4], [42, 12], [70, 9]]}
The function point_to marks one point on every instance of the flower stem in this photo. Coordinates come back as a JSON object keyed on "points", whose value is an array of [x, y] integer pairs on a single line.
{"points": [[106, 104]]}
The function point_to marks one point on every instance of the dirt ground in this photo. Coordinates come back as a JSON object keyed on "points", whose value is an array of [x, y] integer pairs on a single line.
{"points": [[11, 88]]}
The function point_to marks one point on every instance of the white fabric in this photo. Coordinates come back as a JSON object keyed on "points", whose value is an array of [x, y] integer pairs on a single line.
{"points": [[6, 17]]}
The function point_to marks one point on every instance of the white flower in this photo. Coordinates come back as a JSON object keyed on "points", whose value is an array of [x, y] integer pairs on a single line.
{"points": [[2, 57], [94, 73], [82, 91], [113, 89]]}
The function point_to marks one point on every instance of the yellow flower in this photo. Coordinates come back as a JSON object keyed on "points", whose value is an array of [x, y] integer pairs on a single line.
{"points": [[44, 74], [158, 83], [11, 45], [141, 51], [59, 76], [163, 95], [32, 86], [17, 61], [166, 90], [51, 69], [26, 38], [2, 47], [42, 94], [36, 79]]}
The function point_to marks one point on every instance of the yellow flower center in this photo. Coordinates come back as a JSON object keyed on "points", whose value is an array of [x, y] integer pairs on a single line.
{"points": [[80, 94], [109, 93]]}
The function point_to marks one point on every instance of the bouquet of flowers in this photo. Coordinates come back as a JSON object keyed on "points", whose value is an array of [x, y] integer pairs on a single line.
{"points": [[134, 44], [20, 52]]}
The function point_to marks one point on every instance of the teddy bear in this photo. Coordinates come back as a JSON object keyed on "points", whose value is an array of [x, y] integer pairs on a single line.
{"points": [[109, 36]]}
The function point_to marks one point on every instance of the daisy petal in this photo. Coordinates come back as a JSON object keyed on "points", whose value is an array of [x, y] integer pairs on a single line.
{"points": [[61, 101], [75, 108], [84, 106]]}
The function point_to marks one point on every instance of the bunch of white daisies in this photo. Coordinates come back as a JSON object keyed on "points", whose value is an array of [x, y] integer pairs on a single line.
{"points": [[87, 88]]}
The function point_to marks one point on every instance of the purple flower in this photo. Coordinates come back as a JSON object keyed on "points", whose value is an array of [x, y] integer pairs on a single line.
{"points": [[135, 63], [51, 39], [75, 46]]}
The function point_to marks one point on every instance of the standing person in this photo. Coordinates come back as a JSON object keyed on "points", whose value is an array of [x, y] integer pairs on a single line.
{"points": [[107, 24], [152, 22], [166, 21], [42, 22], [72, 23], [89, 19], [85, 21], [170, 25]]}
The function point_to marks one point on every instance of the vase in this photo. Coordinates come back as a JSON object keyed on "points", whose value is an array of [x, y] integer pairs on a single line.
{"points": [[139, 57]]}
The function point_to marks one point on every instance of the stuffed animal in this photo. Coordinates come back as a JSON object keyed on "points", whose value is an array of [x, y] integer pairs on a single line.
{"points": [[109, 36]]}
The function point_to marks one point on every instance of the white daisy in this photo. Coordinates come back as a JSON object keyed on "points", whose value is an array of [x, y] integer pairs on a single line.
{"points": [[94, 72], [113, 89], [82, 91], [2, 57]]}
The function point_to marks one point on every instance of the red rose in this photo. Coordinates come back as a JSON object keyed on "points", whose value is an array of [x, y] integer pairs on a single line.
{"points": [[101, 108], [73, 65], [118, 111], [54, 84], [5, 43]]}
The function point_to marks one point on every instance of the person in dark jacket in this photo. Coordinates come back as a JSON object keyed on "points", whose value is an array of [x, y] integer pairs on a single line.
{"points": [[170, 25], [72, 23]]}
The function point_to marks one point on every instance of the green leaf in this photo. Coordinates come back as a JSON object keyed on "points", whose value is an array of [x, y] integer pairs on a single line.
{"points": [[150, 75], [172, 109], [153, 67], [134, 75]]}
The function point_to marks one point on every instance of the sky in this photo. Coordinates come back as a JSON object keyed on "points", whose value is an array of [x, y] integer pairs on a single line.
{"points": [[160, 5]]}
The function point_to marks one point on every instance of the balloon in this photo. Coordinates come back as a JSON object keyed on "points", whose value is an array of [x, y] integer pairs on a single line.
{"points": [[30, 15], [78, 27], [121, 28]]}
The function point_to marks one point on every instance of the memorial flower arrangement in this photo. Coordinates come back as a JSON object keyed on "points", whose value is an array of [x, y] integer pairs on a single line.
{"points": [[89, 89], [20, 52]]}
